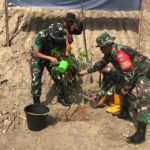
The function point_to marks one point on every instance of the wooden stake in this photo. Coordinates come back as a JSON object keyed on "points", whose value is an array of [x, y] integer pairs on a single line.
{"points": [[84, 35], [6, 23], [85, 45], [140, 24]]}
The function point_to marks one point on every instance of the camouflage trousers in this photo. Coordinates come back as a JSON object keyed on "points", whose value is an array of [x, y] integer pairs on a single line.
{"points": [[111, 83], [143, 99], [37, 66]]}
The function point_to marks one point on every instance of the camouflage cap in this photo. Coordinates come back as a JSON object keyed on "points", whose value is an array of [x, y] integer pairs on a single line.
{"points": [[57, 31], [104, 39]]}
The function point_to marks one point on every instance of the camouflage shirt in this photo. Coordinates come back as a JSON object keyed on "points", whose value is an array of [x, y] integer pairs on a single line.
{"points": [[139, 62], [43, 43]]}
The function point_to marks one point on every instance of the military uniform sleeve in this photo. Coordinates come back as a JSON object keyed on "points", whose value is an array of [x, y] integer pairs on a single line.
{"points": [[98, 65], [129, 74], [130, 79], [37, 45], [111, 91], [78, 28]]}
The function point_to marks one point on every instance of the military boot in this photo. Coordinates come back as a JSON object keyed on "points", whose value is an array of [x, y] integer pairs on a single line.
{"points": [[36, 100], [124, 114], [139, 136], [63, 100]]}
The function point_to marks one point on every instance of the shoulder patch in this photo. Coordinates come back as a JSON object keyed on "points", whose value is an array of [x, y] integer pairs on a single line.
{"points": [[123, 60]]}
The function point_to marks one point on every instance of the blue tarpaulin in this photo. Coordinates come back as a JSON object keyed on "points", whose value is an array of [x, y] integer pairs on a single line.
{"points": [[76, 4]]}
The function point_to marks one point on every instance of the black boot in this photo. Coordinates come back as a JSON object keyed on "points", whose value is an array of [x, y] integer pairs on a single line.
{"points": [[124, 114], [60, 91], [62, 100], [36, 100], [139, 136]]}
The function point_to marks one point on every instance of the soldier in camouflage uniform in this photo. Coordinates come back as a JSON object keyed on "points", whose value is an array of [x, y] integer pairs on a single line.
{"points": [[111, 83], [136, 71], [50, 47], [72, 24]]}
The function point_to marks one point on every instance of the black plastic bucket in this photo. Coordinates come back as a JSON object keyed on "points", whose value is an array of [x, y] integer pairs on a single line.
{"points": [[37, 116]]}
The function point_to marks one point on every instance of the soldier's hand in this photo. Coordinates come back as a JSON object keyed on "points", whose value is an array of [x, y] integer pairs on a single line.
{"points": [[53, 60], [101, 102], [124, 92], [83, 72], [81, 18], [105, 69]]}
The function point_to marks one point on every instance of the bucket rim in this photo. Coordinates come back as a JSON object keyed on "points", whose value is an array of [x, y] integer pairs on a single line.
{"points": [[35, 114]]}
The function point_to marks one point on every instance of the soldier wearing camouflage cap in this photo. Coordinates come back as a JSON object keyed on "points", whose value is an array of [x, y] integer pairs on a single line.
{"points": [[135, 68], [104, 40]]}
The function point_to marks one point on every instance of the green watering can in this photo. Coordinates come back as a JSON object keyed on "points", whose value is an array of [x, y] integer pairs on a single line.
{"points": [[63, 66]]}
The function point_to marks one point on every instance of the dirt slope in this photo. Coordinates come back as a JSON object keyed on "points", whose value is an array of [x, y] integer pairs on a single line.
{"points": [[89, 129]]}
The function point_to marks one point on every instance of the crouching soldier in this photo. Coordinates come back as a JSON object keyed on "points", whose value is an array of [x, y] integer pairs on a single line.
{"points": [[51, 46], [111, 84], [135, 68]]}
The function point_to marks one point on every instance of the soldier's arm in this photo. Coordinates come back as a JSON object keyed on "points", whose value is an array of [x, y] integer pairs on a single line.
{"points": [[38, 54], [78, 26], [37, 49], [111, 90], [130, 79], [130, 74], [37, 45], [127, 68], [99, 65]]}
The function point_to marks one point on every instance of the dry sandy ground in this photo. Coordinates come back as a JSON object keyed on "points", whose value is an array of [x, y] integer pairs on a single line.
{"points": [[88, 129]]}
